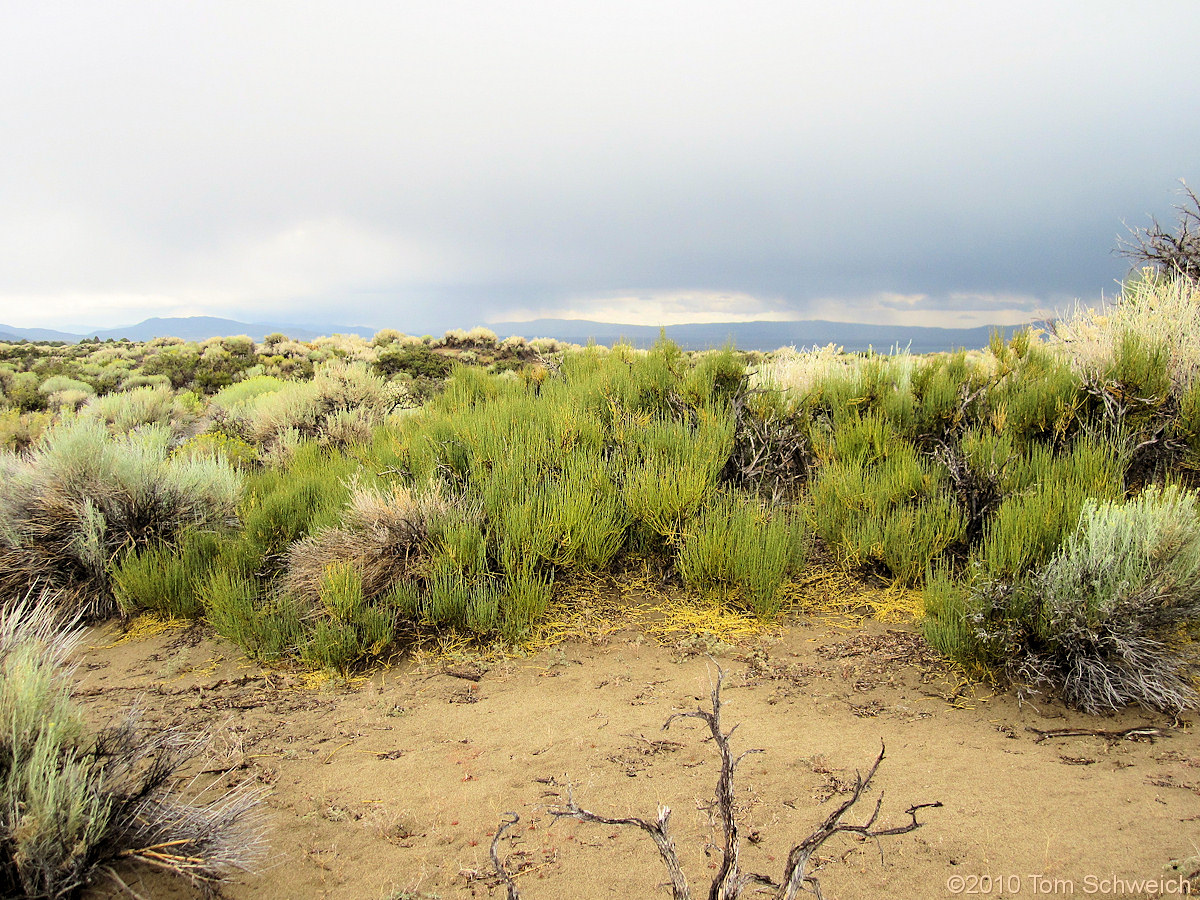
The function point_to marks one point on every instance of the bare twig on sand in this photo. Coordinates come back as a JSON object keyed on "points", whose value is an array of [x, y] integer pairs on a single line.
{"points": [[501, 869], [730, 880], [1138, 733]]}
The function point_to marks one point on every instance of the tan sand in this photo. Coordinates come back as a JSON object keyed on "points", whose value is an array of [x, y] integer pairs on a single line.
{"points": [[392, 788]]}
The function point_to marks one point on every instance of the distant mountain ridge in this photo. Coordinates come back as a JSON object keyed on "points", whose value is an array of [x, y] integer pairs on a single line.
{"points": [[744, 335], [12, 333], [852, 336], [190, 328]]}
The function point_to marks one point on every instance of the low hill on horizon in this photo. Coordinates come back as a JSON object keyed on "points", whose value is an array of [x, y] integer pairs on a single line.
{"points": [[189, 328], [763, 336]]}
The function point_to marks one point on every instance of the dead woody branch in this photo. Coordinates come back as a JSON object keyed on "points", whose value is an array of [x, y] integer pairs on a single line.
{"points": [[771, 453], [1171, 252], [730, 880], [657, 831], [501, 869]]}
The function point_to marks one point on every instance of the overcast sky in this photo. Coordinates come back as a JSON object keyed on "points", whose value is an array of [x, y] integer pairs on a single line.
{"points": [[430, 165]]}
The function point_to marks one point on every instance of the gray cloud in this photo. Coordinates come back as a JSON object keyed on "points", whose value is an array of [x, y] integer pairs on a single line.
{"points": [[444, 164]]}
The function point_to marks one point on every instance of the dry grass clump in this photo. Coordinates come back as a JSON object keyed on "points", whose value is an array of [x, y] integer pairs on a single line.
{"points": [[346, 346], [382, 537], [801, 370], [340, 406], [74, 802], [1162, 311], [395, 554], [82, 496]]}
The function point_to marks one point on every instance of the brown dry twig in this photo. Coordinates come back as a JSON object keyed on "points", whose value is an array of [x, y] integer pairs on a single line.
{"points": [[799, 856], [466, 673], [730, 880], [656, 829], [771, 452], [1138, 733], [501, 869], [1169, 251]]}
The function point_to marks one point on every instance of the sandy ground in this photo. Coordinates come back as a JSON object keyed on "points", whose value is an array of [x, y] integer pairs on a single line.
{"points": [[393, 787]]}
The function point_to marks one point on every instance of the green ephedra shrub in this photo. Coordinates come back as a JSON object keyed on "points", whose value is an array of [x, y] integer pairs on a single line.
{"points": [[736, 549], [878, 502]]}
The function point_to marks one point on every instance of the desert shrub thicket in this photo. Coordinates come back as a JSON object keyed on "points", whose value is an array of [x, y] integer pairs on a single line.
{"points": [[462, 513], [314, 501], [1041, 493]]}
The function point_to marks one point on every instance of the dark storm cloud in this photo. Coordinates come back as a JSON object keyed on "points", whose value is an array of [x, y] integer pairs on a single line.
{"points": [[449, 163]]}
